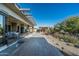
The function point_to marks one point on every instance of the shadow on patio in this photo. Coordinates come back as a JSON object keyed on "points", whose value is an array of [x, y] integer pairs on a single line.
{"points": [[37, 46]]}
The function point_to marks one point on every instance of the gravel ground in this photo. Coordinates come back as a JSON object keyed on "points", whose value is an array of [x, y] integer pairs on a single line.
{"points": [[70, 50]]}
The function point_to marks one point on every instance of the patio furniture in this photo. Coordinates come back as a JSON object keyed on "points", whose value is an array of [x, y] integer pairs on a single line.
{"points": [[11, 36]]}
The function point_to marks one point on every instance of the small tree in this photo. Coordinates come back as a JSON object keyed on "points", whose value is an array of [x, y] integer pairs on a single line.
{"points": [[1, 30], [70, 25]]}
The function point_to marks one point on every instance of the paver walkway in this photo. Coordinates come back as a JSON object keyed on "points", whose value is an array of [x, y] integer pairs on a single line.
{"points": [[36, 45]]}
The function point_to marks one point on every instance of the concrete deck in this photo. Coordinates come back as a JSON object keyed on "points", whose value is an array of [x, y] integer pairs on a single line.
{"points": [[36, 45]]}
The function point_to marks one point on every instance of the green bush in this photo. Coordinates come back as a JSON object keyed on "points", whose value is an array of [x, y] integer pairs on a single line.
{"points": [[67, 38], [70, 39], [1, 31]]}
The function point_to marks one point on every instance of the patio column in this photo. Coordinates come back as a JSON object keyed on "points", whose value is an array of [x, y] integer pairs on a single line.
{"points": [[19, 28], [31, 29], [22, 28]]}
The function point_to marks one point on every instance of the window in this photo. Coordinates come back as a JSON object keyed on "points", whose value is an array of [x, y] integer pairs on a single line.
{"points": [[1, 24], [1, 27]]}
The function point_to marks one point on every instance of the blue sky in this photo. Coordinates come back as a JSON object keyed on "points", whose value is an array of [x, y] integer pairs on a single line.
{"points": [[1, 20], [49, 14]]}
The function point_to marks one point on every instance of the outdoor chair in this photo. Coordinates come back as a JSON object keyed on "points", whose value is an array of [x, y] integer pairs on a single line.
{"points": [[11, 36]]}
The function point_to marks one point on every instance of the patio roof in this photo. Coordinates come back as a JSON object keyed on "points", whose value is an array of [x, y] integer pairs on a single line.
{"points": [[16, 9]]}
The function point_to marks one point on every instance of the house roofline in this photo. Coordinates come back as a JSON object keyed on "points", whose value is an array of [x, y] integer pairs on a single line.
{"points": [[16, 9]]}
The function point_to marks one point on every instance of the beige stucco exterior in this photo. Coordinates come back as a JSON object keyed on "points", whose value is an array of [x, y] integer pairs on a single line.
{"points": [[16, 21]]}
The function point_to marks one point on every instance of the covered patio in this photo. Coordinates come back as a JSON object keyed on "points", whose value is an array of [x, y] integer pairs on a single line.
{"points": [[13, 22], [14, 25]]}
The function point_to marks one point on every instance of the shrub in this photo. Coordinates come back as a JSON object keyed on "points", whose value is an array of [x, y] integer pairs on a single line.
{"points": [[67, 38]]}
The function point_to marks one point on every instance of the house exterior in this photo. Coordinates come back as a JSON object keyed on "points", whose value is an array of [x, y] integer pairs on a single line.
{"points": [[43, 29], [13, 20]]}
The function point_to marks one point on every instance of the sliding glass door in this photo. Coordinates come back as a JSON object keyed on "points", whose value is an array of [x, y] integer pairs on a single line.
{"points": [[1, 28]]}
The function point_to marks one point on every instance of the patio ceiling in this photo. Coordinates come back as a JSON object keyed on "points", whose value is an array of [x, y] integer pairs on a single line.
{"points": [[18, 12]]}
